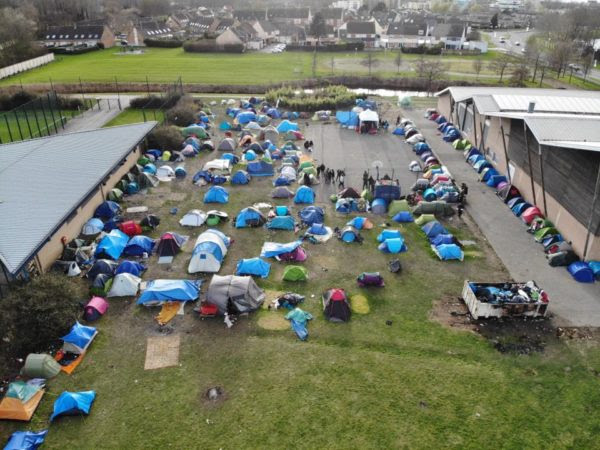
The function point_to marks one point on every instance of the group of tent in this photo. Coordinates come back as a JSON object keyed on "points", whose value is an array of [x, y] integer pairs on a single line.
{"points": [[362, 117]]}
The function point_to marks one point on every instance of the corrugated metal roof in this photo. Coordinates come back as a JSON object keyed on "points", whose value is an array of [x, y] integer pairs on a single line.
{"points": [[549, 104], [572, 132], [43, 180], [461, 93], [485, 103]]}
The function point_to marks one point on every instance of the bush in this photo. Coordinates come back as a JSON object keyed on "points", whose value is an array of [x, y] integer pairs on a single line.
{"points": [[163, 43], [73, 50], [8, 102], [423, 50], [70, 103], [210, 46], [154, 102], [36, 314], [184, 112], [328, 98], [166, 137], [345, 47]]}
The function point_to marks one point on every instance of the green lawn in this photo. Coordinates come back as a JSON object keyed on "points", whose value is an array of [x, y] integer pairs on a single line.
{"points": [[363, 384], [132, 115], [30, 124]]}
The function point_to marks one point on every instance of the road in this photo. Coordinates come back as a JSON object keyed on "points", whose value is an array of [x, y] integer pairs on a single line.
{"points": [[511, 38]]}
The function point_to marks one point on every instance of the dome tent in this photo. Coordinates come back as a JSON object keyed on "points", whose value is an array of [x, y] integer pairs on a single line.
{"points": [[403, 217], [124, 285], [40, 365], [158, 292], [138, 245], [286, 126], [215, 217], [281, 223], [388, 233], [234, 295], [73, 404], [107, 210], [304, 194], [240, 177], [295, 273], [95, 309], [249, 217], [216, 194], [311, 215], [350, 234], [209, 252], [370, 279], [112, 245], [132, 267], [361, 223], [282, 192], [101, 284], [193, 218], [581, 272], [447, 252], [335, 305], [253, 266], [393, 245], [433, 228], [130, 228], [169, 245], [92, 227], [21, 401]]}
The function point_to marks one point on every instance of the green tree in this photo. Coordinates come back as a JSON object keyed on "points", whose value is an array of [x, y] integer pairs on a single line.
{"points": [[370, 61], [477, 67], [318, 27], [500, 64], [519, 74], [494, 21]]}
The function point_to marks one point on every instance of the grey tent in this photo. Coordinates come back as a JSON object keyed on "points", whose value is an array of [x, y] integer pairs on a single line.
{"points": [[234, 295], [282, 192], [438, 208], [227, 145], [145, 180], [40, 365]]}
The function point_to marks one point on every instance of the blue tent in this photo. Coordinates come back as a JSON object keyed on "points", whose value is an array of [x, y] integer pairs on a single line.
{"points": [[311, 214], [132, 188], [224, 126], [249, 217], [403, 217], [595, 266], [281, 181], [433, 228], [73, 404], [490, 173], [495, 180], [393, 245], [180, 172], [317, 229], [226, 239], [245, 117], [429, 195], [358, 222], [253, 266], [281, 223], [101, 266], [286, 126], [92, 226], [378, 206], [273, 113], [346, 205], [112, 245], [472, 151], [138, 245], [421, 147], [155, 153], [79, 337], [520, 208], [240, 177], [132, 267], [26, 440], [347, 118], [304, 195], [216, 194], [158, 291], [388, 234], [581, 272], [452, 135], [440, 119], [150, 168], [282, 210], [202, 174], [272, 249], [350, 234], [399, 131], [250, 155], [107, 210], [449, 251], [230, 157], [442, 238], [260, 169]]}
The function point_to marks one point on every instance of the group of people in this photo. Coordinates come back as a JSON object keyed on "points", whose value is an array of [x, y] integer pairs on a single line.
{"points": [[368, 181], [309, 145]]}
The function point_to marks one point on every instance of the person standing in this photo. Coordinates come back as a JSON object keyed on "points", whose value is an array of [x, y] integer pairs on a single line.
{"points": [[372, 184], [365, 184], [341, 181]]}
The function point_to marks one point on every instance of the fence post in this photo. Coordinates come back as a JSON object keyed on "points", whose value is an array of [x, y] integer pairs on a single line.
{"points": [[18, 124], [81, 89], [51, 84], [45, 118], [60, 114], [8, 128], [144, 115], [27, 121], [147, 86], [118, 94], [108, 103], [52, 114], [37, 122]]}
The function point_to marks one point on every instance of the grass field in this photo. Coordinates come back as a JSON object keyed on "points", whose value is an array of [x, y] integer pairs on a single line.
{"points": [[30, 124], [133, 115], [414, 383]]}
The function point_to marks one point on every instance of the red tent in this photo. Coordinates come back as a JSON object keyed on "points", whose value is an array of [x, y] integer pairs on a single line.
{"points": [[531, 213], [335, 305], [130, 228]]}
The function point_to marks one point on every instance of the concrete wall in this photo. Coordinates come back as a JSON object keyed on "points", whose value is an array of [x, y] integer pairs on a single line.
{"points": [[26, 65], [53, 249]]}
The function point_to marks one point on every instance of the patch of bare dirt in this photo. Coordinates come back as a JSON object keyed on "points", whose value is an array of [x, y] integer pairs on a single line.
{"points": [[452, 312]]}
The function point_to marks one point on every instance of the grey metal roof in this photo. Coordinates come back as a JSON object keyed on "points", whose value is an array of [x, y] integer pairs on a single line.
{"points": [[461, 93], [485, 103], [43, 180], [572, 132]]}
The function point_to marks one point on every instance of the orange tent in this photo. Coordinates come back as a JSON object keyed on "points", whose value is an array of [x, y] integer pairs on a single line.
{"points": [[21, 401]]}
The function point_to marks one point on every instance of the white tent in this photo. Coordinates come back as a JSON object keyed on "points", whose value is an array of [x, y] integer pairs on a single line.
{"points": [[369, 116], [208, 253], [193, 218], [124, 285], [218, 164], [288, 172], [253, 126], [415, 138], [165, 173]]}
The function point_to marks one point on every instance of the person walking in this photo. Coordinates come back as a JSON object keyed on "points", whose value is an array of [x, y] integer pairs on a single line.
{"points": [[341, 181], [371, 184], [365, 184]]}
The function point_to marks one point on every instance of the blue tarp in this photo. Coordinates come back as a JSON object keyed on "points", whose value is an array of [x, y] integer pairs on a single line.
{"points": [[112, 245], [253, 266], [311, 215], [449, 251], [442, 238], [26, 440], [216, 194], [286, 126], [347, 118], [170, 291], [398, 131], [138, 245], [581, 272], [73, 404], [403, 217], [249, 217], [281, 223], [240, 177], [246, 117], [433, 228], [388, 234], [80, 335], [393, 245], [132, 267], [107, 210], [304, 195], [357, 222], [272, 249], [317, 229], [260, 169]]}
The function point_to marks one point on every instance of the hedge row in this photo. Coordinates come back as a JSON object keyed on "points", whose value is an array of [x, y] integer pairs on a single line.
{"points": [[75, 50], [163, 43], [330, 97], [345, 47], [210, 46], [423, 50]]}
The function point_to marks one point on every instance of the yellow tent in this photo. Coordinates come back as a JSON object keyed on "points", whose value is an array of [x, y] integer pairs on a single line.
{"points": [[21, 401]]}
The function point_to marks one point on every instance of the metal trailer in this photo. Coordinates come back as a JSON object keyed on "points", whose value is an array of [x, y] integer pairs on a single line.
{"points": [[483, 310]]}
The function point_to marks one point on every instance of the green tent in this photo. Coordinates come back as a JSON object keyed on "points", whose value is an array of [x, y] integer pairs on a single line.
{"points": [[194, 130], [333, 198], [540, 222], [295, 273], [122, 185], [366, 194], [540, 234], [461, 144], [425, 218], [101, 285], [306, 164], [309, 170], [143, 161], [396, 206], [40, 365], [115, 195]]}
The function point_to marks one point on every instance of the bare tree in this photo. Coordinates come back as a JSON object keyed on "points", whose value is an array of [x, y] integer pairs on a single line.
{"points": [[500, 64], [533, 53], [370, 61], [16, 37], [519, 74], [559, 56], [398, 59], [477, 67], [429, 70], [332, 62]]}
